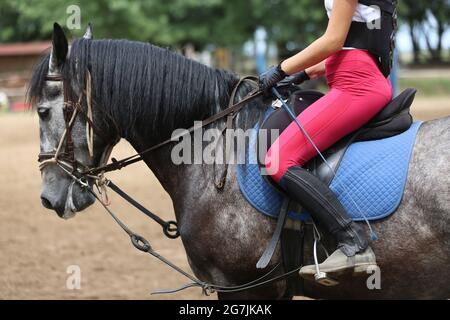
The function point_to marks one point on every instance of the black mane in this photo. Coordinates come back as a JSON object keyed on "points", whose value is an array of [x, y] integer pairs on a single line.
{"points": [[141, 85]]}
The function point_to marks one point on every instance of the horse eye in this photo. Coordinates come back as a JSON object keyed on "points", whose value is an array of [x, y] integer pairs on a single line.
{"points": [[43, 113]]}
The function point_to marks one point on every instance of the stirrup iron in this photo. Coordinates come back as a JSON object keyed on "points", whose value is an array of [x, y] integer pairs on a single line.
{"points": [[321, 277]]}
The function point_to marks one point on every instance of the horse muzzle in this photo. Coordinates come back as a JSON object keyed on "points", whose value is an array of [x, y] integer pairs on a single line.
{"points": [[64, 196]]}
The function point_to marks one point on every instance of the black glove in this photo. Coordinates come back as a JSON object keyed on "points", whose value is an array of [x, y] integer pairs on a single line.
{"points": [[296, 79], [271, 77]]}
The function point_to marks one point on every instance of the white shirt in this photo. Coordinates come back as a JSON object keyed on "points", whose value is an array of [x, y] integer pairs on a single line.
{"points": [[363, 13]]}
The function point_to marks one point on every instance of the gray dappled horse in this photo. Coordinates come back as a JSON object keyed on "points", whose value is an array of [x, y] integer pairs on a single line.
{"points": [[142, 93]]}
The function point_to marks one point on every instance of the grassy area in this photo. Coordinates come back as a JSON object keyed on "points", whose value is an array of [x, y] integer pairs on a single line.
{"points": [[427, 86]]}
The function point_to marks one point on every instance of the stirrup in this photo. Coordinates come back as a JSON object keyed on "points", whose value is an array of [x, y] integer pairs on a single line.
{"points": [[321, 277]]}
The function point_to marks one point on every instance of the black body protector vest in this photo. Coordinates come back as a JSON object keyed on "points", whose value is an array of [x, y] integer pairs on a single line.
{"points": [[378, 37]]}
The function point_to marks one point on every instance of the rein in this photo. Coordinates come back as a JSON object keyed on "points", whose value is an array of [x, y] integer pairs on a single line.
{"points": [[64, 157], [231, 111], [142, 244]]}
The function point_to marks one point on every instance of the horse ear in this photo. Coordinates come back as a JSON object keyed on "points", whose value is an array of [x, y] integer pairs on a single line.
{"points": [[60, 47], [89, 32]]}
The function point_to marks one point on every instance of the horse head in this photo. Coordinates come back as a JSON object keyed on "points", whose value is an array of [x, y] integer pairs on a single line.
{"points": [[72, 131]]}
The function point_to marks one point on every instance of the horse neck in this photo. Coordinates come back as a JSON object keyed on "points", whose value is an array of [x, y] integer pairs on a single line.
{"points": [[176, 178]]}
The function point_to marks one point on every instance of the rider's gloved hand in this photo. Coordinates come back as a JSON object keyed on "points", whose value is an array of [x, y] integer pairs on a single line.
{"points": [[295, 79], [289, 85], [270, 78]]}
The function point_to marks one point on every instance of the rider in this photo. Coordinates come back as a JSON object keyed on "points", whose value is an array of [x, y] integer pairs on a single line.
{"points": [[355, 54]]}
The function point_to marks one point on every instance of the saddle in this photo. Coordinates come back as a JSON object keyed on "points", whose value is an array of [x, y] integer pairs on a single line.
{"points": [[393, 120]]}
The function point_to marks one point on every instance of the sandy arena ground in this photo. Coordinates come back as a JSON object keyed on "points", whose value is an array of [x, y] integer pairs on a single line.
{"points": [[36, 247]]}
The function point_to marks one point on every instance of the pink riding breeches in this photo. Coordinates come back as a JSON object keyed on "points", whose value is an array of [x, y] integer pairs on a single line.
{"points": [[358, 91]]}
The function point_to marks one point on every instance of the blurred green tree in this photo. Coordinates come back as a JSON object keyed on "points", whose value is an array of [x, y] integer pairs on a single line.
{"points": [[290, 24], [426, 19], [440, 10], [413, 14], [169, 22]]}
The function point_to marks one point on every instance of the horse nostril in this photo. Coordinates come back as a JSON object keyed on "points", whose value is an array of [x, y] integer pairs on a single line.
{"points": [[46, 203]]}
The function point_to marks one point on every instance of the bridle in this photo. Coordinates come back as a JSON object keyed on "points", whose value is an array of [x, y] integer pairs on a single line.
{"points": [[64, 154], [64, 157]]}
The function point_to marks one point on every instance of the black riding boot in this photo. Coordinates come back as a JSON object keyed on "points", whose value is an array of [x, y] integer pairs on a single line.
{"points": [[325, 208]]}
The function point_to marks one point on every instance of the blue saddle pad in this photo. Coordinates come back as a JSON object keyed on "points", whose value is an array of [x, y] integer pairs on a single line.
{"points": [[369, 182]]}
